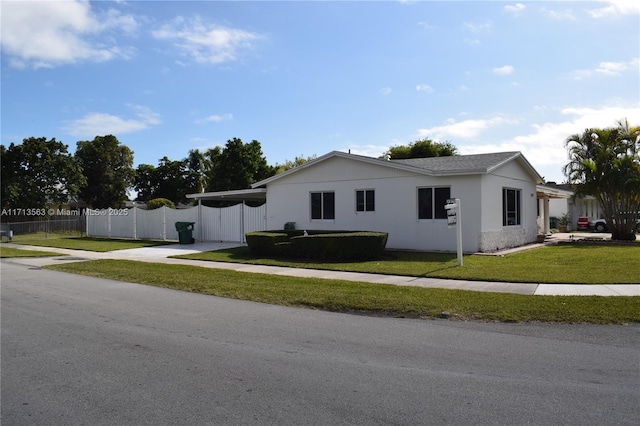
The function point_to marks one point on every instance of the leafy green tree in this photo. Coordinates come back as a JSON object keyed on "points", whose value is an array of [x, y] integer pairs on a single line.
{"points": [[605, 163], [108, 167], [170, 179], [144, 182], [422, 148], [156, 203], [236, 166], [290, 164], [38, 173]]}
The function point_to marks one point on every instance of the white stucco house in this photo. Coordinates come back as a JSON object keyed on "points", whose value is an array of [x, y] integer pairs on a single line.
{"points": [[499, 195]]}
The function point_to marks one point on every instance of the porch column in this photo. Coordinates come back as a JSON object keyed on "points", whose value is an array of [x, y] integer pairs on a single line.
{"points": [[545, 205]]}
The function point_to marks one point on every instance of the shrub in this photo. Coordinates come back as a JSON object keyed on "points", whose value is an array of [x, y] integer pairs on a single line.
{"points": [[156, 203], [265, 242], [319, 244]]}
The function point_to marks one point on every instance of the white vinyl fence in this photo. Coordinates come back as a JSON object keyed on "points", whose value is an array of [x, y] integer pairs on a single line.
{"points": [[211, 224]]}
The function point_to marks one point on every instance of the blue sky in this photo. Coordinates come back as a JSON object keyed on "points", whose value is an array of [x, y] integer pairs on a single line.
{"points": [[306, 78]]}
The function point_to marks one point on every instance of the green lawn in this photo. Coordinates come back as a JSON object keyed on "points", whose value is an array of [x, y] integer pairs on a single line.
{"points": [[82, 243], [565, 263], [366, 298], [6, 251]]}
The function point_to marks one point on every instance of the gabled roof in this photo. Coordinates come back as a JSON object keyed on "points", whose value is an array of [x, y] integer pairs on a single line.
{"points": [[435, 166]]}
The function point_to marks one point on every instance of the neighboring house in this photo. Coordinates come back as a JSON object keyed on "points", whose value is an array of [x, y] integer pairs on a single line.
{"points": [[576, 206], [405, 198]]}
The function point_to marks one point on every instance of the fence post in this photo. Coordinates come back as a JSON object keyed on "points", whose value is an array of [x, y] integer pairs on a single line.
{"points": [[199, 219], [164, 223], [135, 224]]}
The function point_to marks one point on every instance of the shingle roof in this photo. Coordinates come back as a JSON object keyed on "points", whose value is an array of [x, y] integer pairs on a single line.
{"points": [[436, 166], [458, 164]]}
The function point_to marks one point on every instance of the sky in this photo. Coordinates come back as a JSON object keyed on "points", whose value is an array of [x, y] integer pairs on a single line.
{"points": [[307, 78]]}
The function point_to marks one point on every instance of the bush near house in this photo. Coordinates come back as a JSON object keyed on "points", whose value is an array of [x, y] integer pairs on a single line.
{"points": [[318, 244]]}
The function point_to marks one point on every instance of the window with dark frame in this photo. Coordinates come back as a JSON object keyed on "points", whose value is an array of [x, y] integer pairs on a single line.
{"points": [[365, 200], [511, 206], [323, 205], [431, 202]]}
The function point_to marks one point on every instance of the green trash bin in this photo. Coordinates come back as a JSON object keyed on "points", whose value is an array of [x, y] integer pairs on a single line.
{"points": [[185, 232]]}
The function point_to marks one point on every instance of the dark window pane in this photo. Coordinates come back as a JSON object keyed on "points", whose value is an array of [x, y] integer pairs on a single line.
{"points": [[510, 207], [441, 197], [425, 205], [316, 205], [371, 201], [517, 203], [359, 201], [328, 205]]}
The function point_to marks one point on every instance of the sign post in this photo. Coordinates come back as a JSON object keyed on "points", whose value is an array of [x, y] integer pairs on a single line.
{"points": [[454, 216]]}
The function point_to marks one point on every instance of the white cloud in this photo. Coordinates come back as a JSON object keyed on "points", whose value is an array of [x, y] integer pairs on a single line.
{"points": [[466, 129], [515, 9], [608, 68], [427, 26], [52, 33], [366, 150], [216, 118], [424, 88], [204, 42], [560, 15], [505, 70], [385, 91], [484, 27], [616, 7], [98, 123], [544, 146]]}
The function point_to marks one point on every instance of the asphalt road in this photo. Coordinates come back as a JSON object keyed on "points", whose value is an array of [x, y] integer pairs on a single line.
{"points": [[79, 350]]}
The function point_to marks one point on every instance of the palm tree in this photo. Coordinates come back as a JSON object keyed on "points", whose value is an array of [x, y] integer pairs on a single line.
{"points": [[606, 164], [198, 167]]}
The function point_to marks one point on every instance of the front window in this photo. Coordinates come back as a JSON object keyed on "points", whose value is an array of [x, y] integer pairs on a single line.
{"points": [[510, 207], [431, 202], [323, 205], [365, 200]]}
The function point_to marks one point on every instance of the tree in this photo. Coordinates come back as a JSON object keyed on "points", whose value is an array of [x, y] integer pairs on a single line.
{"points": [[170, 180], [605, 163], [108, 167], [38, 173], [156, 203], [422, 148], [198, 167], [236, 166], [289, 164], [144, 182]]}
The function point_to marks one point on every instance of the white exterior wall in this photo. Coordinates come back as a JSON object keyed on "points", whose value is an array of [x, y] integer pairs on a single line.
{"points": [[396, 198], [494, 235]]}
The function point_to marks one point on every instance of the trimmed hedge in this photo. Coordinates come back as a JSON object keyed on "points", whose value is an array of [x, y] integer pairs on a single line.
{"points": [[319, 244], [264, 242]]}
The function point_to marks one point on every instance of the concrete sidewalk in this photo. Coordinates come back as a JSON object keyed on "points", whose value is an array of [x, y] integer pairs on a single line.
{"points": [[160, 254]]}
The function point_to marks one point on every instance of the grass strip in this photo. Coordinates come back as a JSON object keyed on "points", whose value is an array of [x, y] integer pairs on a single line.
{"points": [[83, 243], [566, 264], [7, 252], [365, 298]]}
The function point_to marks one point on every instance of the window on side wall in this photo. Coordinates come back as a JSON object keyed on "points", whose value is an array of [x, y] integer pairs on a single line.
{"points": [[323, 206], [511, 207], [431, 202], [365, 200]]}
